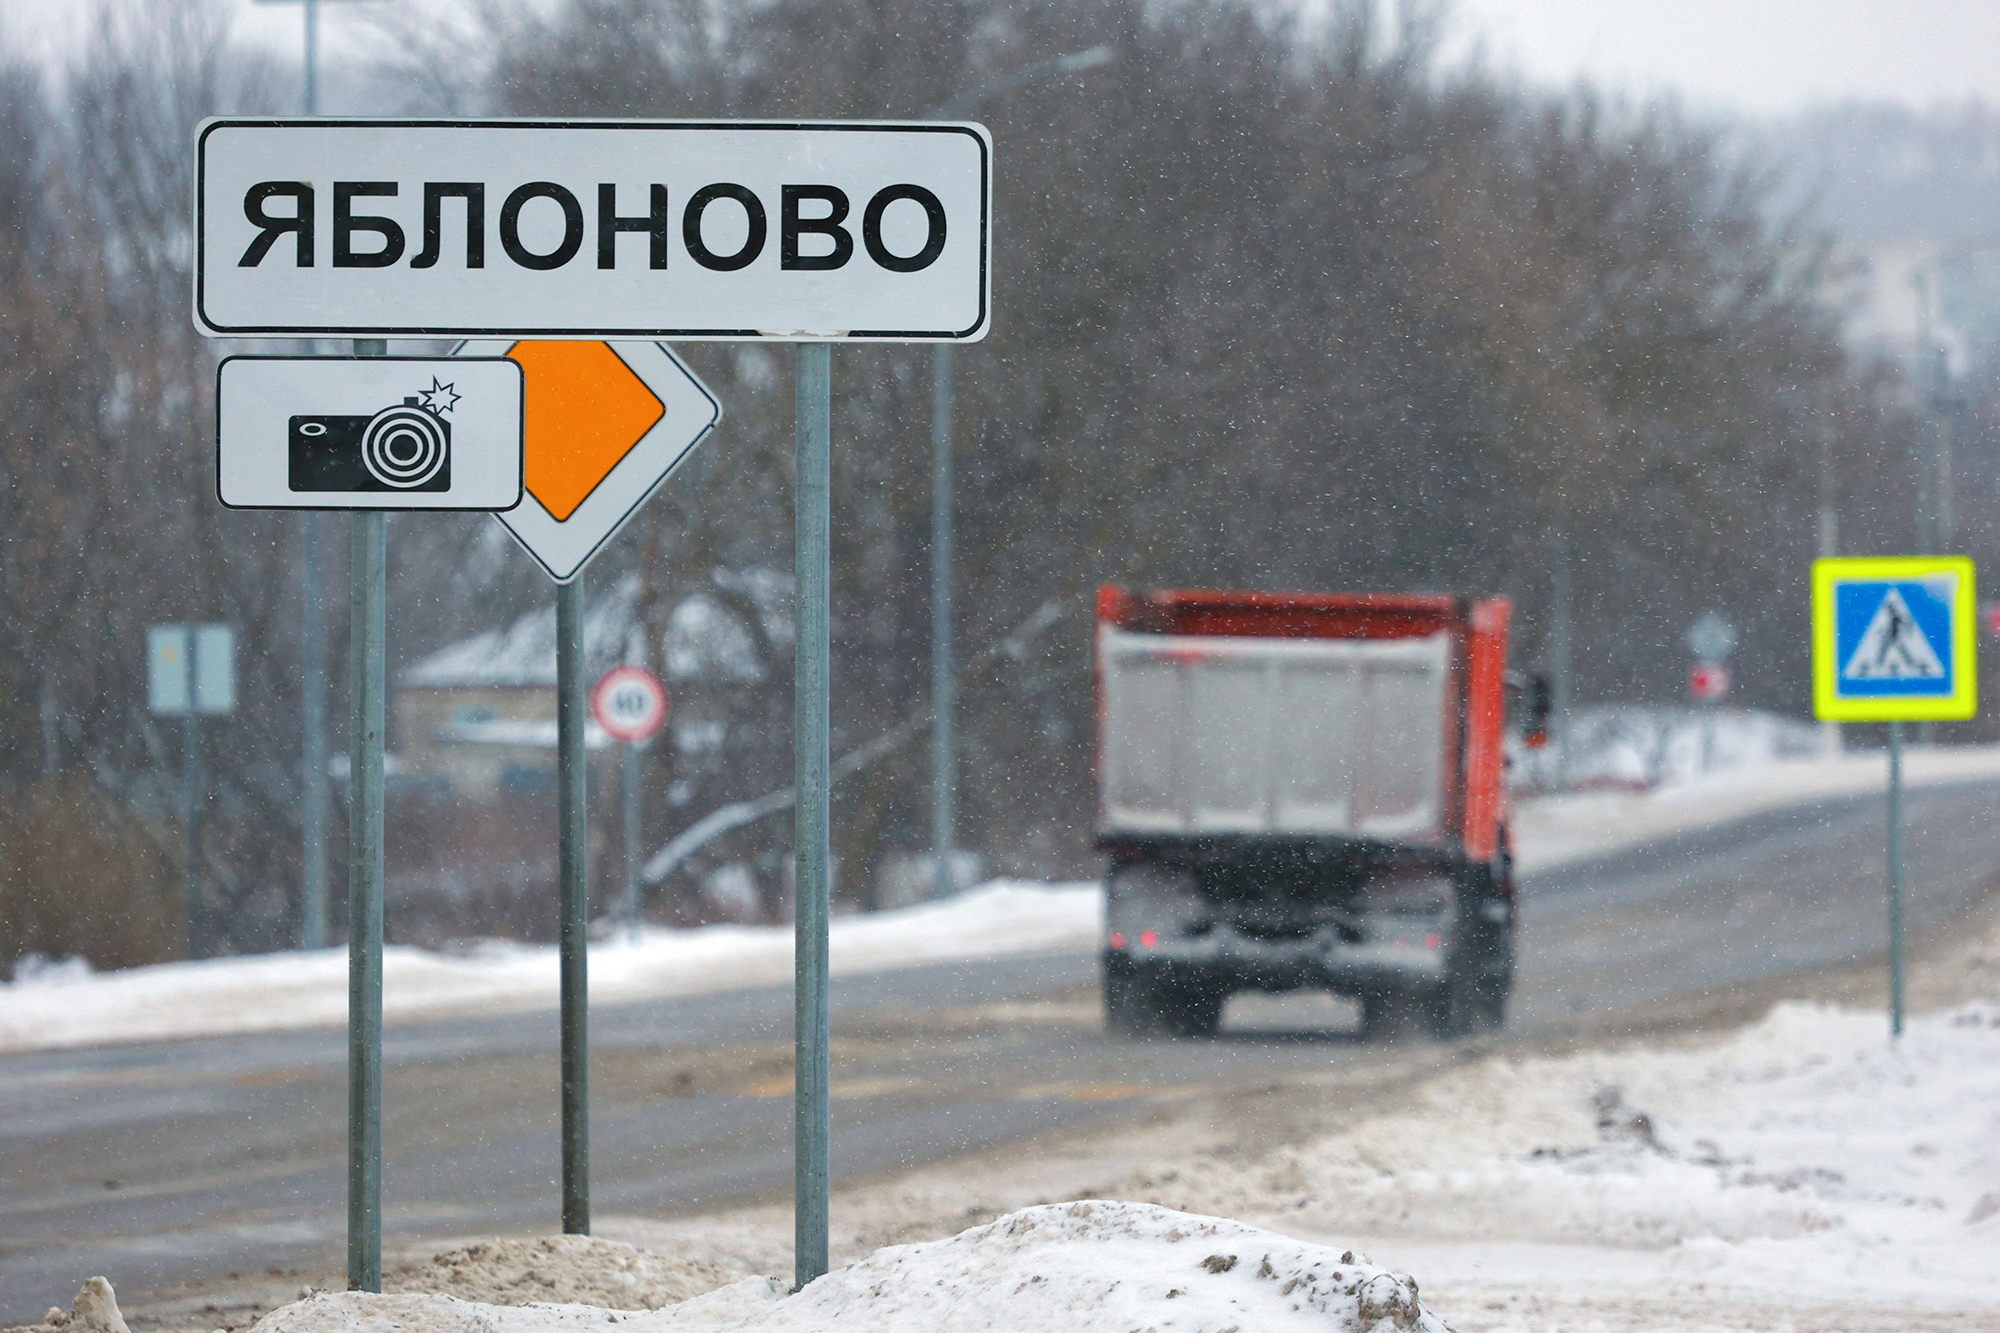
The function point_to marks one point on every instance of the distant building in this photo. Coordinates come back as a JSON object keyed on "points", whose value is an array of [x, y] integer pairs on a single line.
{"points": [[479, 716]]}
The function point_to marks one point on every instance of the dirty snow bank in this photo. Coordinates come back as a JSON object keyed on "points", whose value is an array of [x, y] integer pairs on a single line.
{"points": [[584, 1270], [1550, 830], [1805, 1156], [1089, 1267], [68, 1007]]}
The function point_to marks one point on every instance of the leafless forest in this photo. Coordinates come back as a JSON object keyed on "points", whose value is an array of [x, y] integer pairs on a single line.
{"points": [[1275, 307]]}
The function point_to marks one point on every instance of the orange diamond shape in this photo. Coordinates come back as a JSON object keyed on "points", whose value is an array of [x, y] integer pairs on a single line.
{"points": [[585, 410]]}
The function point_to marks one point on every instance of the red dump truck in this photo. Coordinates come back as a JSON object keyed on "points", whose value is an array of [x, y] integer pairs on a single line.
{"points": [[1304, 790]]}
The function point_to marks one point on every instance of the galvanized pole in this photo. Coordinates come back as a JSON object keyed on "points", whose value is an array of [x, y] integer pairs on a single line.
{"points": [[1562, 596], [572, 855], [1895, 879], [312, 57], [367, 599], [312, 630], [944, 758], [1829, 541], [628, 818], [191, 804], [312, 756], [811, 900]]}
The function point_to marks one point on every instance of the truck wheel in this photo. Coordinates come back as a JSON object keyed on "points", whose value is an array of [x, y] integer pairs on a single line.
{"points": [[1191, 1010], [1133, 1001], [1468, 1003], [1390, 1015]]}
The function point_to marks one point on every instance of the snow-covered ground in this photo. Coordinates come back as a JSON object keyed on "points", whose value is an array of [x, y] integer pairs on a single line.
{"points": [[1549, 830], [1083, 1267], [1805, 1158], [69, 1006]]}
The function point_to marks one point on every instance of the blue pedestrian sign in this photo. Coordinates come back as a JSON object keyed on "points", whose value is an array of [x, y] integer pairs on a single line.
{"points": [[1893, 639]]}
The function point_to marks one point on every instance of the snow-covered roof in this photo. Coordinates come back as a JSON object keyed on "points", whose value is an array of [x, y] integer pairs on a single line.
{"points": [[704, 640]]}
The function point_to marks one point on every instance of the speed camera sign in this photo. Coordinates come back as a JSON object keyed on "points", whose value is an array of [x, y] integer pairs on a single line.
{"points": [[630, 704]]}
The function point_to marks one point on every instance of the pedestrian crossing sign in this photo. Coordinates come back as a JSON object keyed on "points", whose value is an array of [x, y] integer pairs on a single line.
{"points": [[1894, 639]]}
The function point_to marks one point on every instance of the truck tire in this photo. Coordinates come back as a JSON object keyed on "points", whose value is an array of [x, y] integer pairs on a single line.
{"points": [[1391, 1015], [1192, 1009], [1130, 1009], [1471, 1001], [1139, 1002]]}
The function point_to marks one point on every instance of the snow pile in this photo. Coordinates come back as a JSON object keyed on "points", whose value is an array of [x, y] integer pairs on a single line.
{"points": [[583, 1270], [1638, 746], [291, 990], [1090, 1267], [1806, 1155], [1553, 829]]}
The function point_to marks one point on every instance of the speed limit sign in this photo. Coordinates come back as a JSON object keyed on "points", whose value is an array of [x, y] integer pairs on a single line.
{"points": [[630, 703]]}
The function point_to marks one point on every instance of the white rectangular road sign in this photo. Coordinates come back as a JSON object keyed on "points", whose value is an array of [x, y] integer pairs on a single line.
{"points": [[593, 229], [368, 432]]}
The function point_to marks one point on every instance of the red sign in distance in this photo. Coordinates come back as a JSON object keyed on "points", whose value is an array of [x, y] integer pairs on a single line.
{"points": [[1708, 682], [630, 703]]}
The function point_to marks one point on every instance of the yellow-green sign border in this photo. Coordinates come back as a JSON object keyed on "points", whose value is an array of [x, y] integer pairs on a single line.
{"points": [[1962, 703]]}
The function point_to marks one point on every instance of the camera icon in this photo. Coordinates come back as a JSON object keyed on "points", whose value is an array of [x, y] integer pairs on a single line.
{"points": [[402, 448]]}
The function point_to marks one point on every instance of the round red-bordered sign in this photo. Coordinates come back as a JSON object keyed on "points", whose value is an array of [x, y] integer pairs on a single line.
{"points": [[630, 703]]}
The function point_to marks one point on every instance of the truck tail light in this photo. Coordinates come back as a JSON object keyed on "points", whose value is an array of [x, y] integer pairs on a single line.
{"points": [[1118, 940], [1149, 938], [1433, 940]]}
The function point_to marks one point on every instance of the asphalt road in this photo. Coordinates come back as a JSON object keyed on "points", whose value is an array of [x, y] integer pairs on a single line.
{"points": [[157, 1162]]}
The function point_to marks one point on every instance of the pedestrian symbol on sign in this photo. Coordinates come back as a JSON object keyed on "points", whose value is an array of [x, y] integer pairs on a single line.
{"points": [[1893, 647]]}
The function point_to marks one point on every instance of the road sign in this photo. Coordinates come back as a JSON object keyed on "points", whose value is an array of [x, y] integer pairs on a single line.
{"points": [[296, 432], [593, 229], [605, 425], [191, 671], [630, 703], [1708, 682], [1711, 638], [1893, 639]]}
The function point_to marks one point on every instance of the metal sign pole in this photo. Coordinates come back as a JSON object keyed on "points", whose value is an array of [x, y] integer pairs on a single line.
{"points": [[944, 760], [366, 601], [811, 897], [312, 870], [191, 806], [1895, 879], [573, 928], [628, 778]]}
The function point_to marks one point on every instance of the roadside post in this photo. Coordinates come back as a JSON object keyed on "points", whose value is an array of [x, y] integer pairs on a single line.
{"points": [[190, 673], [1711, 639], [630, 703], [1894, 641], [883, 233], [605, 427]]}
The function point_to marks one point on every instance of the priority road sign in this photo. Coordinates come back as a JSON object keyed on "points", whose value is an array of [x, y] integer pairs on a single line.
{"points": [[1893, 639], [814, 231], [630, 704], [605, 425], [295, 432]]}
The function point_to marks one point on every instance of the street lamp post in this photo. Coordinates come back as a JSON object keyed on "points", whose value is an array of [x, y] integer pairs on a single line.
{"points": [[312, 636], [944, 677]]}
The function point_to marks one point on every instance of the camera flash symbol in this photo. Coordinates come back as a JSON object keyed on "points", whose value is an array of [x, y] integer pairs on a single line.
{"points": [[439, 398]]}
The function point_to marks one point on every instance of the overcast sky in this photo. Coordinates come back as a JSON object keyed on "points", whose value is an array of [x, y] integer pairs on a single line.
{"points": [[1748, 55]]}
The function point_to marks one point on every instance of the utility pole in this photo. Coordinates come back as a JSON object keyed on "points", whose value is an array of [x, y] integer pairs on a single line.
{"points": [[1829, 542], [1562, 598], [944, 671]]}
